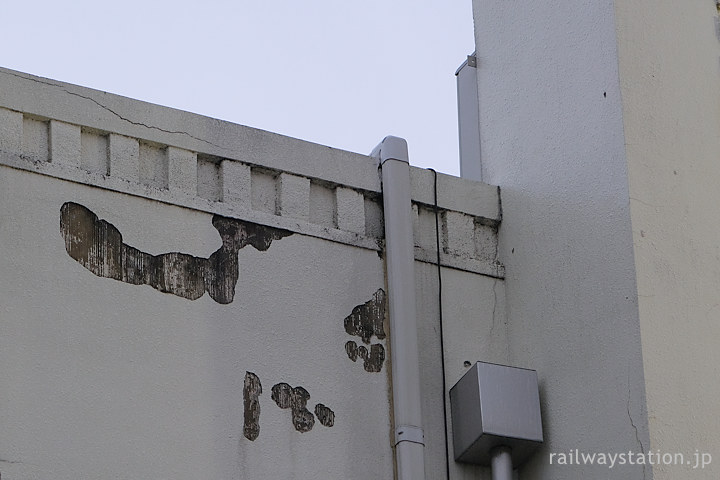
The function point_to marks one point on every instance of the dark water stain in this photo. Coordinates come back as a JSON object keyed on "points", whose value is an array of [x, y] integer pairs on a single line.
{"points": [[325, 416], [252, 389], [97, 245], [295, 399]]}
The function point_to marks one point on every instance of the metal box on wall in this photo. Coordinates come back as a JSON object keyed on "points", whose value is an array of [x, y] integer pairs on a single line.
{"points": [[495, 405]]}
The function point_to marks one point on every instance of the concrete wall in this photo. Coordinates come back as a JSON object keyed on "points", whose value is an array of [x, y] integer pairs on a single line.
{"points": [[552, 138], [188, 298], [473, 309], [107, 379], [668, 54]]}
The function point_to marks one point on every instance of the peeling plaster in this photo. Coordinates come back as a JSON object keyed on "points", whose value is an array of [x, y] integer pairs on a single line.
{"points": [[372, 361], [325, 416], [286, 397], [295, 399], [365, 321], [97, 245], [368, 319], [252, 389]]}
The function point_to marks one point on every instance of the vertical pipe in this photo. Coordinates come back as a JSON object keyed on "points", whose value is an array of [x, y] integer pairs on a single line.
{"points": [[400, 265], [501, 463], [469, 119]]}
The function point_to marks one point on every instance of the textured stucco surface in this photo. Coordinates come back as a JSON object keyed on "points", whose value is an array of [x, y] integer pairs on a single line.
{"points": [[552, 139], [103, 379], [109, 377], [42, 98], [669, 77], [206, 164], [475, 328]]}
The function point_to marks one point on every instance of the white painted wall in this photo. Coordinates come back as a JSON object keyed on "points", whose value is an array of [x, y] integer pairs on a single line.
{"points": [[475, 329], [105, 379], [552, 138], [109, 380], [670, 83]]}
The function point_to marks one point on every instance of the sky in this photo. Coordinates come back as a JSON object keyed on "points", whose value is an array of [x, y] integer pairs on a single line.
{"points": [[339, 73]]}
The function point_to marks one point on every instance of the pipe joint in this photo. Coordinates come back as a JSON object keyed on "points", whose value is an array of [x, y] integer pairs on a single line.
{"points": [[409, 433]]}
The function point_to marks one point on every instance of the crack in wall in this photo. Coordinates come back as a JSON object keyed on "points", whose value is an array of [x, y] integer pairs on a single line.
{"points": [[151, 127], [492, 326], [657, 207], [632, 423], [125, 119], [17, 462]]}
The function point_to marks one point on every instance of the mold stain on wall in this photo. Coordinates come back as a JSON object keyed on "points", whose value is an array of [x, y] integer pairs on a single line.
{"points": [[365, 321], [98, 246]]}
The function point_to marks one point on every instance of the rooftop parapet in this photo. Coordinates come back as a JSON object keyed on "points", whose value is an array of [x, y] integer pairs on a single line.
{"points": [[137, 148]]}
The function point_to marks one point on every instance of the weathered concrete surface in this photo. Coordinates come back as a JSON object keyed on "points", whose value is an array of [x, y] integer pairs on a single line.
{"points": [[294, 399], [325, 415], [252, 389], [218, 167], [98, 246], [105, 379], [74, 105], [668, 56], [281, 371], [552, 138], [367, 321], [475, 328]]}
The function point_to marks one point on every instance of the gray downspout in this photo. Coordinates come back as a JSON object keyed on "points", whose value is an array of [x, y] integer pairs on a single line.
{"points": [[409, 440]]}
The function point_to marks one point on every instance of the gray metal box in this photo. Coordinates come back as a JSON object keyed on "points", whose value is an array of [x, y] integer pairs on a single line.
{"points": [[495, 405]]}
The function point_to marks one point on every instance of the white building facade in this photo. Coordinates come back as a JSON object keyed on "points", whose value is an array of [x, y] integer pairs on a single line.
{"points": [[600, 121], [182, 297], [187, 298]]}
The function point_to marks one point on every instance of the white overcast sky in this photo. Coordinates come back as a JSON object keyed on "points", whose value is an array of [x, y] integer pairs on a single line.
{"points": [[334, 72]]}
